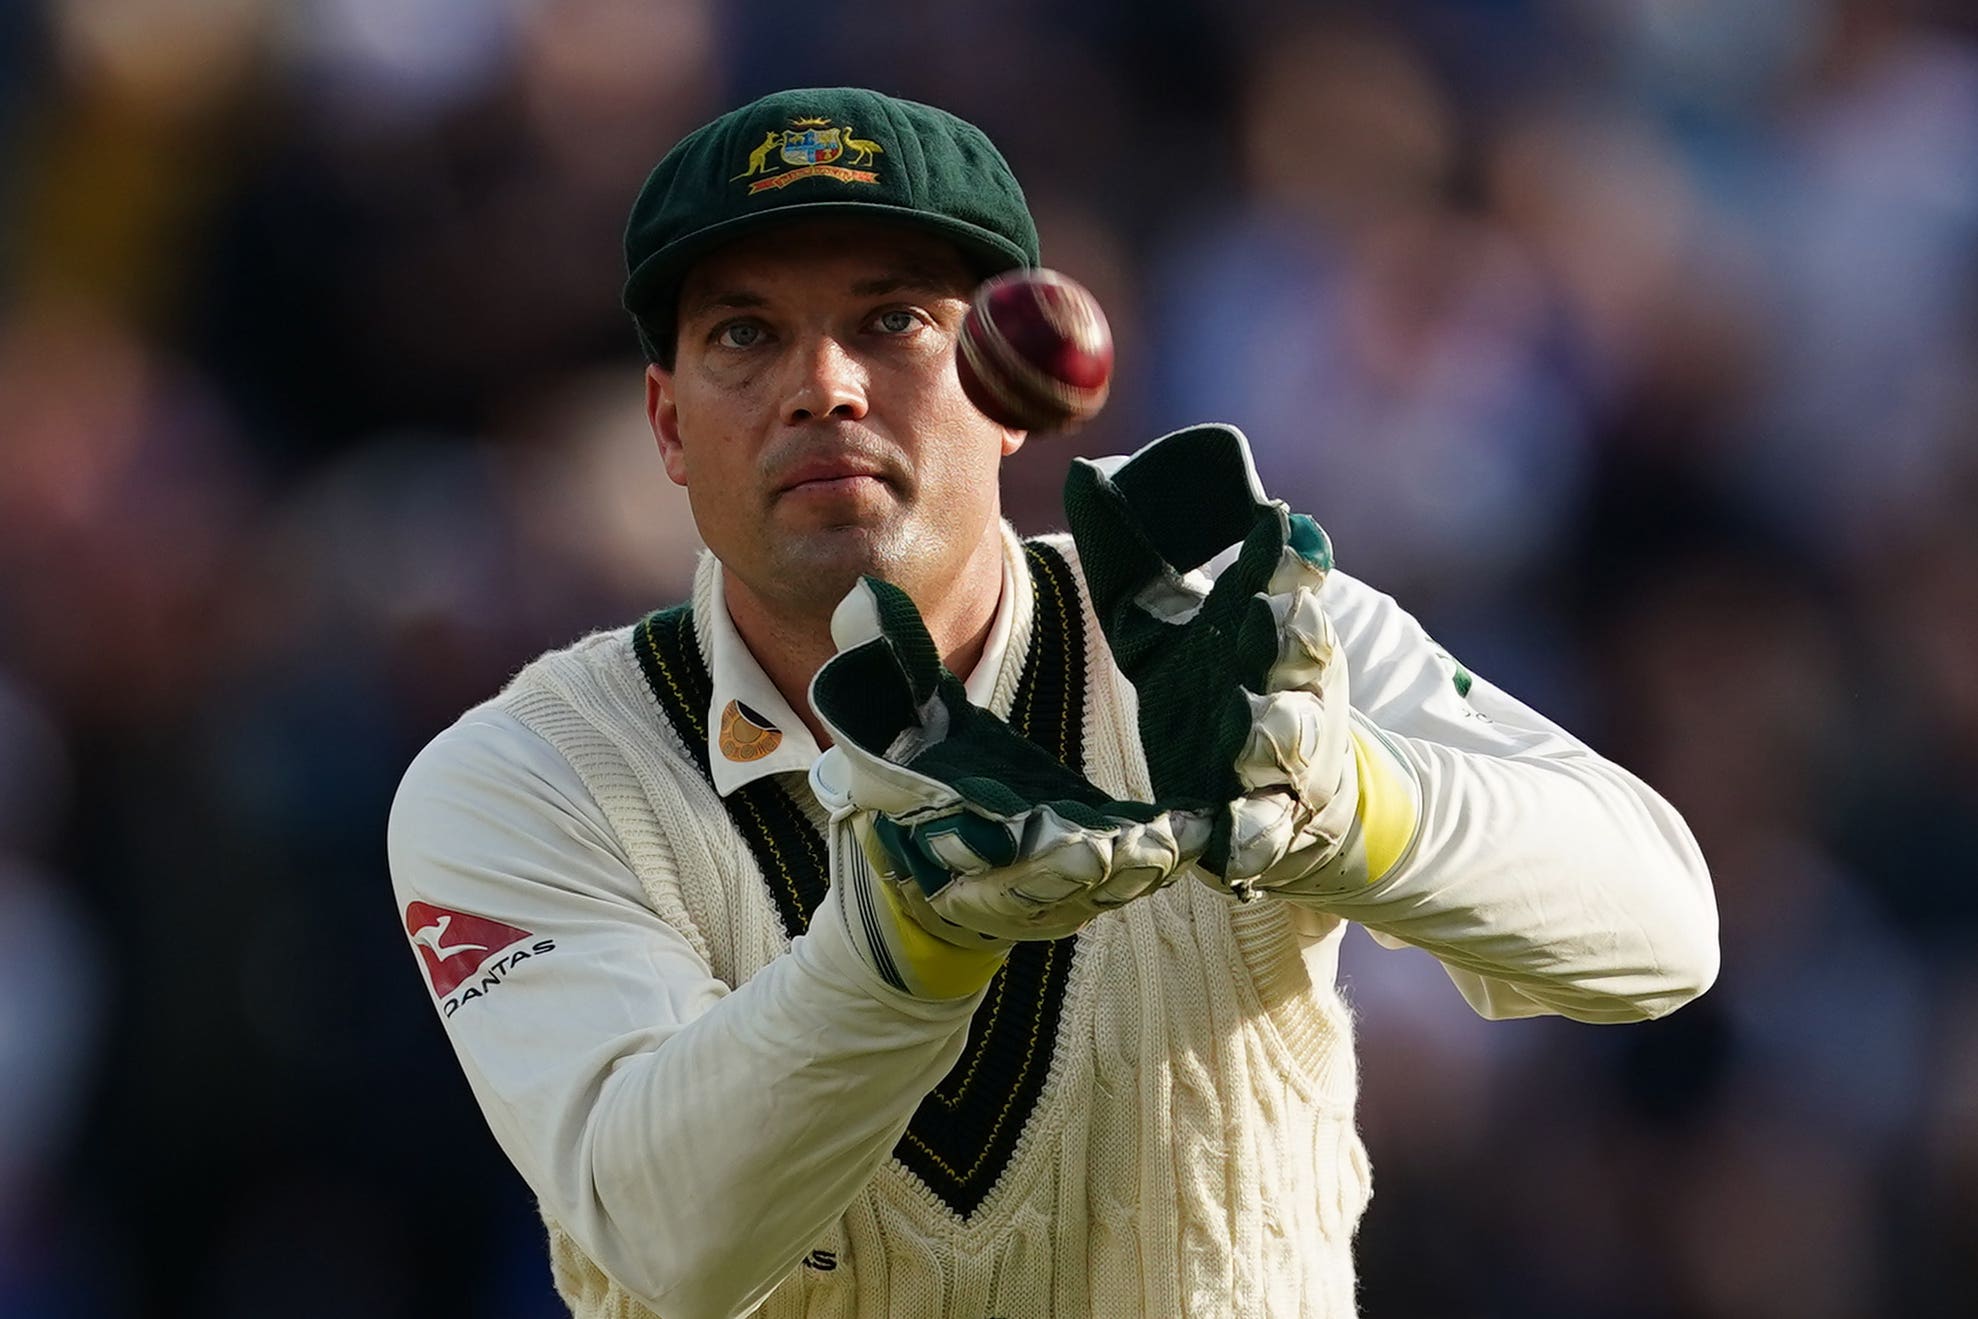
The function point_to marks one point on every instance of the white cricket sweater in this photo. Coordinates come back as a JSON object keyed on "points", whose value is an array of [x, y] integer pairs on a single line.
{"points": [[715, 1118]]}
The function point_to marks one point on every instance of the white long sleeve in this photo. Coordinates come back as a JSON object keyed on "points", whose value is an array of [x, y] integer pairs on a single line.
{"points": [[695, 1140], [1544, 877]]}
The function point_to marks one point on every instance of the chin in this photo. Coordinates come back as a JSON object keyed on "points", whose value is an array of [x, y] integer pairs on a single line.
{"points": [[819, 567]]}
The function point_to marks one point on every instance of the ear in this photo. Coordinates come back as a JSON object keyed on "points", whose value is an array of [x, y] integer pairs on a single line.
{"points": [[1013, 440], [663, 413]]}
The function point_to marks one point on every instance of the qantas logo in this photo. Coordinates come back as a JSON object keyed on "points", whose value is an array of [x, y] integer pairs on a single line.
{"points": [[457, 947], [429, 936]]}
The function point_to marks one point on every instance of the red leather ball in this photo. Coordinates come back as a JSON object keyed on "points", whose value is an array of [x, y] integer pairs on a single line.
{"points": [[1035, 351]]}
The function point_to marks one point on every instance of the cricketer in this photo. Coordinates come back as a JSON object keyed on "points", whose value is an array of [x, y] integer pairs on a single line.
{"points": [[920, 920]]}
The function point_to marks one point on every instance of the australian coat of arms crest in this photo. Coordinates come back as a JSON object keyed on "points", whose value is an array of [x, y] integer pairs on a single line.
{"points": [[810, 148]]}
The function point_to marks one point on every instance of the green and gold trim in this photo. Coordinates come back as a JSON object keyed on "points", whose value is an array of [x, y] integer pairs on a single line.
{"points": [[965, 1131], [787, 849]]}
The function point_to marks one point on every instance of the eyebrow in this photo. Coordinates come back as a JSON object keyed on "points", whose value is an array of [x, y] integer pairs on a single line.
{"points": [[732, 300], [918, 278]]}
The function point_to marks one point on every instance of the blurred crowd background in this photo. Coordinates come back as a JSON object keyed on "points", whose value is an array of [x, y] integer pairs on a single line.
{"points": [[1632, 343]]}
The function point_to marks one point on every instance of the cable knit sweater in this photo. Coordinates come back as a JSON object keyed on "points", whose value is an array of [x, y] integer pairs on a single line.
{"points": [[1155, 1117]]}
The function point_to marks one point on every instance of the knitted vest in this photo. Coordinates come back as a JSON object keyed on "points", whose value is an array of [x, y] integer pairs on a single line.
{"points": [[1154, 1117]]}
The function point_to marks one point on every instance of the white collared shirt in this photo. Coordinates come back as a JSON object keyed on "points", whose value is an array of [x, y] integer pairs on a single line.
{"points": [[743, 692]]}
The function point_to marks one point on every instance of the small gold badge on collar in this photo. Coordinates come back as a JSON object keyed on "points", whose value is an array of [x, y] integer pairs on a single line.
{"points": [[745, 735]]}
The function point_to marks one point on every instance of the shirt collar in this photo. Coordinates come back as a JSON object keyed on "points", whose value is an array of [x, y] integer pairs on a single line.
{"points": [[751, 729]]}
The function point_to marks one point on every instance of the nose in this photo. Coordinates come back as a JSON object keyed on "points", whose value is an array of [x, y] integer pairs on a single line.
{"points": [[826, 381]]}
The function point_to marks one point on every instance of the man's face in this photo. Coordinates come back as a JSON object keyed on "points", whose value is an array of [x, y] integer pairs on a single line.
{"points": [[815, 417]]}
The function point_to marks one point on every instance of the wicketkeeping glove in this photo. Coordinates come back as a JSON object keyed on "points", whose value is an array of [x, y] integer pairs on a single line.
{"points": [[1244, 702], [969, 835]]}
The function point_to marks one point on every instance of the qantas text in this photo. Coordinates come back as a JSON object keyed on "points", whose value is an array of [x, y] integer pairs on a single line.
{"points": [[491, 976]]}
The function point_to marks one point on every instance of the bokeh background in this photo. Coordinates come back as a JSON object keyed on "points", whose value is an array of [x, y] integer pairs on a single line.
{"points": [[1632, 343]]}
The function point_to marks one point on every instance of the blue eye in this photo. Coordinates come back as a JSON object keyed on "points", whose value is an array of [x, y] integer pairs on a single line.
{"points": [[897, 321], [739, 334]]}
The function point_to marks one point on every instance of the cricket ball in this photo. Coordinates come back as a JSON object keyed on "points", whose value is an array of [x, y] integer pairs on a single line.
{"points": [[1035, 352]]}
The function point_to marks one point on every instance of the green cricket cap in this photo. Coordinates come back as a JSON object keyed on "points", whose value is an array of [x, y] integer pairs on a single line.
{"points": [[814, 152]]}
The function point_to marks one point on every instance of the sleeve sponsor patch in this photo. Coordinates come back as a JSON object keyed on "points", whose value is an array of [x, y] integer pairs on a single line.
{"points": [[457, 948]]}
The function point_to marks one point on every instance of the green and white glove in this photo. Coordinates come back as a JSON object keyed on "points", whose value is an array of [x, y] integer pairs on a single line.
{"points": [[969, 836], [1244, 693]]}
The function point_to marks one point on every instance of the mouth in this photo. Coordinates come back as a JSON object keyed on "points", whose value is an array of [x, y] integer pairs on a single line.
{"points": [[831, 474], [833, 485]]}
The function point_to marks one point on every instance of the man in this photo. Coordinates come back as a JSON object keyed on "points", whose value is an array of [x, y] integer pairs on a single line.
{"points": [[968, 1014]]}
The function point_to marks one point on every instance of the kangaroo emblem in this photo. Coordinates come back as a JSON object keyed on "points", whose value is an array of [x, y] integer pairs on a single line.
{"points": [[430, 936], [759, 158]]}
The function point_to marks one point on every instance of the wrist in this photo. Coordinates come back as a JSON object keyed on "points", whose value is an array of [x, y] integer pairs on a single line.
{"points": [[1389, 808], [942, 967], [893, 945], [1377, 837]]}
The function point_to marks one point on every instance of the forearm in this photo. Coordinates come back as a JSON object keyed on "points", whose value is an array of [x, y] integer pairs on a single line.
{"points": [[1561, 876], [707, 1166]]}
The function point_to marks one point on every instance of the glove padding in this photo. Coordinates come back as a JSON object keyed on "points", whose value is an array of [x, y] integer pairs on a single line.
{"points": [[975, 833], [1244, 701]]}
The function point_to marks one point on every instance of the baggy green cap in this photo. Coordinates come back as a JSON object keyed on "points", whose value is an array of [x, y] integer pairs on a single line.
{"points": [[819, 152]]}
